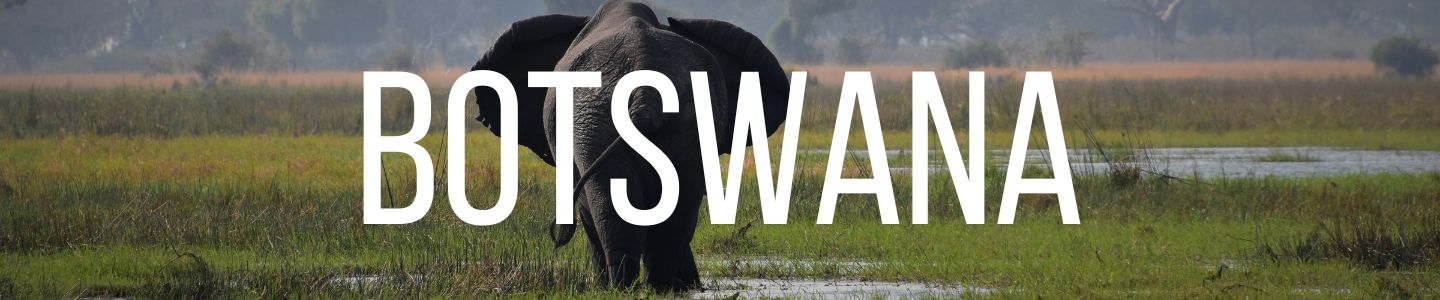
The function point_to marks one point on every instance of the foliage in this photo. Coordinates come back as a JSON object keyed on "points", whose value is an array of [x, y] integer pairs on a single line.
{"points": [[1068, 49], [851, 50], [793, 37], [400, 59], [978, 53], [572, 7], [253, 192], [276, 19], [339, 22], [1403, 56], [270, 216], [226, 52], [7, 4], [31, 33], [1376, 245], [788, 39], [1361, 113]]}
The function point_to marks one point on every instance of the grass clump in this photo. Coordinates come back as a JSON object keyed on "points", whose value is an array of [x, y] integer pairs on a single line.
{"points": [[1376, 245]]}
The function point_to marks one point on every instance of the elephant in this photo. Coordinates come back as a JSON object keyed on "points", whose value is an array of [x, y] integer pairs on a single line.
{"points": [[619, 38]]}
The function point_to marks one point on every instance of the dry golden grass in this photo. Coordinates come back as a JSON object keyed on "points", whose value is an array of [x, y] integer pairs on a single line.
{"points": [[108, 80], [827, 74], [1257, 69]]}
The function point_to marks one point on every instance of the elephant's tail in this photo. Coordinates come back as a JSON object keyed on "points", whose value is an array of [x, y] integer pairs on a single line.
{"points": [[561, 234]]}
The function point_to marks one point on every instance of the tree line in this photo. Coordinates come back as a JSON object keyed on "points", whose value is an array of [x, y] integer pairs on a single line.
{"points": [[171, 35]]}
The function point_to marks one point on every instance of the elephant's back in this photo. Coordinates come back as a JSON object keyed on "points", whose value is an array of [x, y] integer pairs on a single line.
{"points": [[635, 46]]}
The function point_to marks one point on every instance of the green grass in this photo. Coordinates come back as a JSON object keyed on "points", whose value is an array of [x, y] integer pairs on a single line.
{"points": [[255, 192], [1357, 113], [131, 217]]}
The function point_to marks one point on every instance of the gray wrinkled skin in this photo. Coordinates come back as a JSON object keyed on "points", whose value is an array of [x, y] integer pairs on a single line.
{"points": [[623, 37]]}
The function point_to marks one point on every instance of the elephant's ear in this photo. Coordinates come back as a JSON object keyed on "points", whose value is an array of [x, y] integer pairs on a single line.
{"points": [[739, 51], [534, 44]]}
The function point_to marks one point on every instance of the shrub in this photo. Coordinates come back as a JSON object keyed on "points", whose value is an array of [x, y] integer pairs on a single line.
{"points": [[851, 51], [1377, 245], [789, 41], [978, 53], [399, 59], [1405, 57], [226, 52], [1068, 49]]}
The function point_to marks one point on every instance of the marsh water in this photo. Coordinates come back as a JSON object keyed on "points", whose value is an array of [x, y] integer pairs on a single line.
{"points": [[1211, 162], [750, 288]]}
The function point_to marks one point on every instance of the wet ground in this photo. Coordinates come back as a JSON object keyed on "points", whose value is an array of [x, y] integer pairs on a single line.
{"points": [[1261, 162], [1180, 162], [812, 288], [749, 288], [806, 288], [1213, 162]]}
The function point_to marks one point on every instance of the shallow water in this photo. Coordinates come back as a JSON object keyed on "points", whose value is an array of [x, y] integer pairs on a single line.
{"points": [[747, 288], [1250, 162], [1218, 162]]}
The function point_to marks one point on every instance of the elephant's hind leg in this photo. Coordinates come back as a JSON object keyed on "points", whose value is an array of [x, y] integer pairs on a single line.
{"points": [[621, 243], [669, 263], [688, 273], [597, 252]]}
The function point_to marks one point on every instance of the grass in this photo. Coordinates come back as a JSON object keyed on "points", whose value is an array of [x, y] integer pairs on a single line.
{"points": [[254, 192], [1352, 113], [281, 218], [828, 74], [1243, 70], [1372, 243]]}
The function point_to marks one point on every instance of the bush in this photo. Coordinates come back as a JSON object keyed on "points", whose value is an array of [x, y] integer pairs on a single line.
{"points": [[851, 51], [1405, 57], [399, 59], [789, 41], [226, 52], [976, 54], [1068, 49]]}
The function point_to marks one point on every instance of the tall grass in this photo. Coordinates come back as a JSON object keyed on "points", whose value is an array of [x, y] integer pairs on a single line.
{"points": [[276, 227], [1202, 106], [243, 191]]}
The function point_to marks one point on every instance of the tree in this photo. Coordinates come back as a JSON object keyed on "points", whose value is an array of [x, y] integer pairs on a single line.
{"points": [[226, 52], [572, 7], [851, 50], [7, 4], [338, 22], [793, 37], [1157, 18], [791, 42], [1403, 56], [976, 54], [1068, 49], [400, 59], [43, 30]]}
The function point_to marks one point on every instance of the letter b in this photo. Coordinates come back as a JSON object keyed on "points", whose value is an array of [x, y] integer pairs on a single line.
{"points": [[376, 144]]}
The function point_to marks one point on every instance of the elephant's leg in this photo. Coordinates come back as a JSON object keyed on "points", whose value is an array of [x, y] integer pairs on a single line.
{"points": [[669, 263], [662, 260], [622, 243], [689, 274], [597, 252]]}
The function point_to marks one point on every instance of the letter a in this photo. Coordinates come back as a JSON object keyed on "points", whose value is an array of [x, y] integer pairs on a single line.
{"points": [[1039, 85]]}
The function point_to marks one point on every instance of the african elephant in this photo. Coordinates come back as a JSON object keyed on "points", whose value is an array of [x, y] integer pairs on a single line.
{"points": [[620, 38]]}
